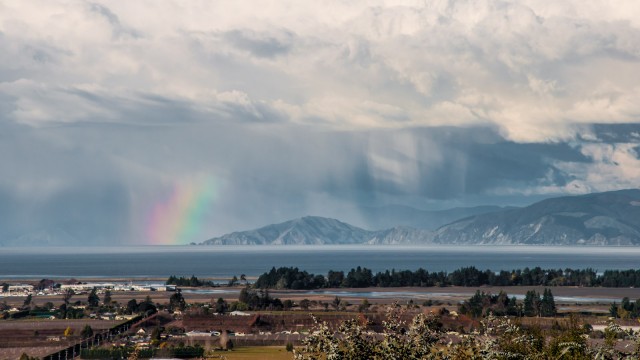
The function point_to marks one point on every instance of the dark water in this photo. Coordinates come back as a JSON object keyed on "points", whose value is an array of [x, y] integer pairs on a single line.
{"points": [[226, 261]]}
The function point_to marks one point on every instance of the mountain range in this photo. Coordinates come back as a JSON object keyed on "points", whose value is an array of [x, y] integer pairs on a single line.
{"points": [[385, 217], [609, 218]]}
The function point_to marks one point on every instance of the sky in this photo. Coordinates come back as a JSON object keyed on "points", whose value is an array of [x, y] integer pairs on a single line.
{"points": [[167, 122]]}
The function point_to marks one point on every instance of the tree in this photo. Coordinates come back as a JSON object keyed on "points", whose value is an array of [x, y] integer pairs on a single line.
{"points": [[233, 281], [221, 306], [132, 306], [420, 339], [622, 313], [304, 304], [63, 311], [336, 303], [28, 299], [67, 295], [86, 332], [246, 294], [548, 304], [107, 297], [531, 303], [93, 300], [66, 298], [146, 305], [636, 310], [176, 301], [364, 305], [243, 277], [613, 310], [68, 331], [5, 287], [475, 305], [335, 278], [570, 343]]}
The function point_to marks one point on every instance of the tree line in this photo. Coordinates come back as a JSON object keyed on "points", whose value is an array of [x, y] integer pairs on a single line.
{"points": [[295, 279], [185, 281], [534, 304]]}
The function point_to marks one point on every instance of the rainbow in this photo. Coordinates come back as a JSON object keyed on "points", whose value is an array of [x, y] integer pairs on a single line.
{"points": [[178, 218]]}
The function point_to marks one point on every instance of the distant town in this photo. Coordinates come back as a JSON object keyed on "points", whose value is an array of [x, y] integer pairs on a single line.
{"points": [[287, 311]]}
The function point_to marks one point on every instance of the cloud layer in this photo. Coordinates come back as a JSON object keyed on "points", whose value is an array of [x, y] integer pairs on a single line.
{"points": [[294, 108]]}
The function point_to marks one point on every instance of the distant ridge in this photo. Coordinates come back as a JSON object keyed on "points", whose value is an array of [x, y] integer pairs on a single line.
{"points": [[608, 218], [389, 216], [315, 230], [308, 230]]}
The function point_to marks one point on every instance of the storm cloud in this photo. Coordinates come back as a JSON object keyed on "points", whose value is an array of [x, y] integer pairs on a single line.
{"points": [[317, 108]]}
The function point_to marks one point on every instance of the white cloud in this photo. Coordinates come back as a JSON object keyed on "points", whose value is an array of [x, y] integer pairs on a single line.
{"points": [[534, 68], [610, 167]]}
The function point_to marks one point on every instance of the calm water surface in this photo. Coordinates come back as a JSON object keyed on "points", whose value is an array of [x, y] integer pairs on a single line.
{"points": [[226, 261]]}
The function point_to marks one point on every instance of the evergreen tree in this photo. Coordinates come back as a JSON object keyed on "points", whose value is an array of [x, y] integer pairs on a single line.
{"points": [[107, 297], [636, 309], [528, 303], [531, 303], [176, 301], [93, 300], [548, 304], [86, 332], [221, 306], [132, 306], [27, 301], [613, 310]]}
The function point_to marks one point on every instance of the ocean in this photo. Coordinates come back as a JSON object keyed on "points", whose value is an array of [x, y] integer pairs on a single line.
{"points": [[226, 261]]}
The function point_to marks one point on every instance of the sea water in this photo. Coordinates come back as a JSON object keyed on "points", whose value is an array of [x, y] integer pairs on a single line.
{"points": [[227, 261]]}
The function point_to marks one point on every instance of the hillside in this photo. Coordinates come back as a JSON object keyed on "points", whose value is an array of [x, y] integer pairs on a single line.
{"points": [[610, 218], [386, 217], [309, 230], [315, 230]]}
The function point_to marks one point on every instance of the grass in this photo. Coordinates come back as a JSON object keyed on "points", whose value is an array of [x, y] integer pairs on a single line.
{"points": [[258, 352]]}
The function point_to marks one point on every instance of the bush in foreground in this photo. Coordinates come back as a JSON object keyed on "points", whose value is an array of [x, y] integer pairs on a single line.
{"points": [[424, 338]]}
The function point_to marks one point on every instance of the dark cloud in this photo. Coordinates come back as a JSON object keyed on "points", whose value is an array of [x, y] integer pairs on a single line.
{"points": [[107, 176], [617, 133], [107, 107], [98, 213], [261, 44], [118, 28]]}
